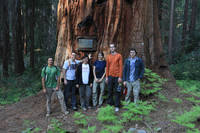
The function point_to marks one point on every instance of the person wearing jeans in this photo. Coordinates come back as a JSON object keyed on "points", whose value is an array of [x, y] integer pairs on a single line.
{"points": [[114, 68], [84, 78], [133, 72], [99, 79], [69, 67], [50, 83]]}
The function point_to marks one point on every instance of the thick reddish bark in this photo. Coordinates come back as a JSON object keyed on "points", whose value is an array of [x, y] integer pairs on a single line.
{"points": [[127, 24]]}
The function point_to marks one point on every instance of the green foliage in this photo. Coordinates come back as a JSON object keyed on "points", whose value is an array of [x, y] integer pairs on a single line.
{"points": [[187, 119], [152, 82], [135, 112], [30, 127], [89, 130], [177, 100], [191, 87], [107, 114], [112, 129], [15, 88], [55, 127], [80, 119], [193, 100], [162, 97], [187, 67]]}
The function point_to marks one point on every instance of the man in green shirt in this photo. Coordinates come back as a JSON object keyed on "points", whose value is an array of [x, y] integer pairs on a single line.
{"points": [[50, 83]]}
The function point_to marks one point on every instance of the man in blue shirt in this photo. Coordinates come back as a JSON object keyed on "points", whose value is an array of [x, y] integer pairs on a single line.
{"points": [[132, 73]]}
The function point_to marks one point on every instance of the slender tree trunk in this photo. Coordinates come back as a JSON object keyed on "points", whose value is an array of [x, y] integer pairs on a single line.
{"points": [[171, 30], [193, 16], [32, 27], [6, 44], [18, 46], [184, 32]]}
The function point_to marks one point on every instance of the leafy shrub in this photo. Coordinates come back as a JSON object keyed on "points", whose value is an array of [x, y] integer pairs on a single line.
{"points": [[15, 88], [80, 119], [187, 119], [107, 114], [135, 112], [55, 127], [191, 87], [152, 82], [177, 100]]}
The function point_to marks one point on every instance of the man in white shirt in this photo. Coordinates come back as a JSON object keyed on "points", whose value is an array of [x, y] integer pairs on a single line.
{"points": [[84, 79]]}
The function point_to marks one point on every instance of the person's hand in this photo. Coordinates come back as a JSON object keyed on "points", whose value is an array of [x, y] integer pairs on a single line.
{"points": [[44, 90], [91, 85], [65, 82], [77, 86], [96, 80], [107, 80], [119, 80], [124, 83], [100, 80], [57, 88]]}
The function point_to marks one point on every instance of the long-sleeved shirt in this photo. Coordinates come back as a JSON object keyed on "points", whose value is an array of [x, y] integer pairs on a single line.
{"points": [[114, 65]]}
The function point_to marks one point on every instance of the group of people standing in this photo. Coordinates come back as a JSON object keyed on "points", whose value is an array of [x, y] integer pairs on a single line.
{"points": [[86, 77]]}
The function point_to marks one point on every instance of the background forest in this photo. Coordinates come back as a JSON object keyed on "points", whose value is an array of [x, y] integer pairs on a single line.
{"points": [[28, 37]]}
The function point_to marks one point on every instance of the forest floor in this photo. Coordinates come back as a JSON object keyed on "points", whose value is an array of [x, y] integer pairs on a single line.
{"points": [[14, 116]]}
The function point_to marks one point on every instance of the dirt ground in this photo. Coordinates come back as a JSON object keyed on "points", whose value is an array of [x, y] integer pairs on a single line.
{"points": [[13, 117]]}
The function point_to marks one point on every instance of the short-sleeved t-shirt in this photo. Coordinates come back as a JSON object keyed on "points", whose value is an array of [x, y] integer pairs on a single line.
{"points": [[99, 68], [50, 76], [70, 66]]}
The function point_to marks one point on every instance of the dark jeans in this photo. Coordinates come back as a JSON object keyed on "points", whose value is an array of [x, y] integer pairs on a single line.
{"points": [[112, 90], [85, 95], [70, 91]]}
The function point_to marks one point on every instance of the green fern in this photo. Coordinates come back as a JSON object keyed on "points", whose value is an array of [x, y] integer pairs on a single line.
{"points": [[107, 114], [152, 82], [80, 119], [187, 118]]}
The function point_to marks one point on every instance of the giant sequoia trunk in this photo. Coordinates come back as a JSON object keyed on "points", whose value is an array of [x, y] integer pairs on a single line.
{"points": [[127, 23]]}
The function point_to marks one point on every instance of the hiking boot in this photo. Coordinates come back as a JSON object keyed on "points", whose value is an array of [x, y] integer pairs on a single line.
{"points": [[116, 109]]}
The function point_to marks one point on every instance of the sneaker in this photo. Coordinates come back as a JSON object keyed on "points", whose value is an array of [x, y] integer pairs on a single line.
{"points": [[84, 108], [74, 108], [116, 109], [48, 114], [66, 112]]}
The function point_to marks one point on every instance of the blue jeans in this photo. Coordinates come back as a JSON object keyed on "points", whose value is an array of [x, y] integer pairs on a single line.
{"points": [[85, 95], [70, 92], [112, 90]]}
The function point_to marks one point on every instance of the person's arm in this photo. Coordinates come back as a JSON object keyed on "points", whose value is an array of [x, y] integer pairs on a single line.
{"points": [[124, 72], [141, 69], [43, 81], [77, 75], [65, 66], [107, 68], [120, 68], [94, 73], [43, 85], [103, 76], [58, 79]]}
